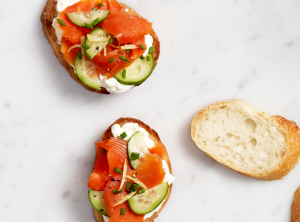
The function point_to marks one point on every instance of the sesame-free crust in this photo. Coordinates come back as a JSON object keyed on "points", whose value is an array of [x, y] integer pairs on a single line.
{"points": [[47, 17]]}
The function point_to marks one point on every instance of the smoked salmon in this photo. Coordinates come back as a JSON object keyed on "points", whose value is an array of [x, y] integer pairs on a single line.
{"points": [[122, 26]]}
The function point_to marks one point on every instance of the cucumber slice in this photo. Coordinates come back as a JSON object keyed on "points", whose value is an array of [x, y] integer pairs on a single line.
{"points": [[137, 72], [87, 76], [96, 47], [136, 144], [147, 202], [89, 17], [97, 200]]}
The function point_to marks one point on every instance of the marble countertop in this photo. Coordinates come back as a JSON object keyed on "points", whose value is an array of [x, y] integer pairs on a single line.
{"points": [[210, 51]]}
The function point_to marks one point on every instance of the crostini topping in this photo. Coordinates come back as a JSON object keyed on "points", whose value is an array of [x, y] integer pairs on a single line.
{"points": [[73, 47], [124, 198], [122, 212], [123, 135], [124, 174], [137, 182], [118, 170], [61, 22]]}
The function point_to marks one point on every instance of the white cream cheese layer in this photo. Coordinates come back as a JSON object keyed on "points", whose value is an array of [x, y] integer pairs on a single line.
{"points": [[130, 129], [111, 85]]}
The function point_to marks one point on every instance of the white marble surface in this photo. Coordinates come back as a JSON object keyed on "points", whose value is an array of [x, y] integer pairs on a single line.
{"points": [[210, 51]]}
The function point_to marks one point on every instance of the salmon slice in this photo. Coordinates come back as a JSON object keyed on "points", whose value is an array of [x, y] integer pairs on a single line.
{"points": [[99, 177], [110, 200], [150, 172], [159, 149], [125, 27], [116, 154]]}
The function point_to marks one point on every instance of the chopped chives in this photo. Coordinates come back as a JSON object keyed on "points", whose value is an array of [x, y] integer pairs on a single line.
{"points": [[122, 211], [117, 191], [111, 41], [142, 46], [100, 5], [151, 49], [61, 22], [123, 135], [111, 60], [141, 191], [135, 187], [124, 59], [89, 26], [142, 57], [124, 77], [148, 58], [128, 185], [135, 156], [128, 51], [96, 21], [95, 9], [118, 170], [79, 54], [103, 150], [85, 46]]}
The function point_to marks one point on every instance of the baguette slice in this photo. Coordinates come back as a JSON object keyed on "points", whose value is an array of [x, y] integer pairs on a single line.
{"points": [[153, 136], [47, 17], [296, 207], [247, 141]]}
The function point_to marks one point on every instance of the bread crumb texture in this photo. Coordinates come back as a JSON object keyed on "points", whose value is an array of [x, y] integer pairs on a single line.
{"points": [[248, 141], [296, 207]]}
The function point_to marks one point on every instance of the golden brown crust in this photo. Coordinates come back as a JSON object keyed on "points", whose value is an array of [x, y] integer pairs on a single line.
{"points": [[153, 136], [47, 17], [291, 131], [296, 207]]}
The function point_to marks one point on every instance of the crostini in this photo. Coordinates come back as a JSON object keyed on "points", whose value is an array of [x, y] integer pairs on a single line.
{"points": [[250, 142], [132, 177], [104, 45]]}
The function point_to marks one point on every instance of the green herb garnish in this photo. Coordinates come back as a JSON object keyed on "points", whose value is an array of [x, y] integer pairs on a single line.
{"points": [[135, 156], [128, 185], [124, 74], [100, 5], [111, 41], [135, 187], [151, 49], [124, 59], [142, 57], [128, 51], [111, 60], [79, 54], [122, 211], [142, 46], [141, 191], [85, 46], [103, 150], [61, 22], [117, 191], [95, 9], [117, 170], [123, 135], [148, 58]]}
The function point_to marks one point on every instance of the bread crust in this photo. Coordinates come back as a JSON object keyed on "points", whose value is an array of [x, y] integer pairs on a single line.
{"points": [[153, 136], [289, 128], [49, 13], [296, 207]]}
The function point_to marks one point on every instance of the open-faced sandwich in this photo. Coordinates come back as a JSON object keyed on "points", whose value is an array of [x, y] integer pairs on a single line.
{"points": [[103, 44], [132, 177]]}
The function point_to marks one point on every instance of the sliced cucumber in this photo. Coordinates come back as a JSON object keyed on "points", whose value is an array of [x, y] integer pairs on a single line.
{"points": [[87, 76], [96, 47], [136, 145], [147, 202], [97, 200], [88, 17], [137, 72]]}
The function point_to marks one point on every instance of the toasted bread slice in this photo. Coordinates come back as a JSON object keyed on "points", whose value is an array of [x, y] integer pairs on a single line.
{"points": [[296, 207], [243, 139], [47, 17], [153, 136]]}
